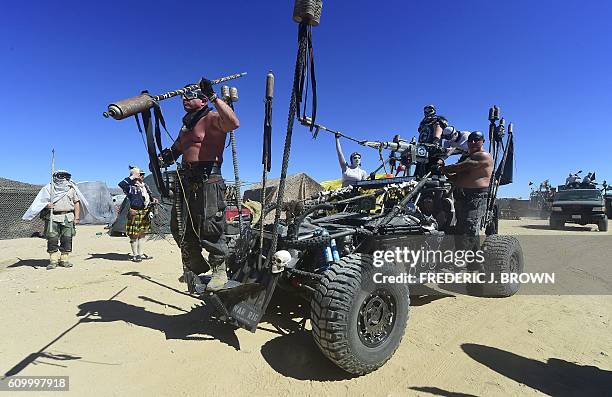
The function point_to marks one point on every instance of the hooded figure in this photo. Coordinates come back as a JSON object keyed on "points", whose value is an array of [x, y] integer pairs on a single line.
{"points": [[61, 205]]}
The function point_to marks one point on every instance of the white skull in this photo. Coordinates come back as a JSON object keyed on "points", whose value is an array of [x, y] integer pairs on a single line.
{"points": [[280, 260]]}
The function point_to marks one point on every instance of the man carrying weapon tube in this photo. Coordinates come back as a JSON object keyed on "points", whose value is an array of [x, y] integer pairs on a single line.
{"points": [[200, 143]]}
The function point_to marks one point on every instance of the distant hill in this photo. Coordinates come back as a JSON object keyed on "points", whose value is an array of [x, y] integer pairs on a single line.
{"points": [[11, 184]]}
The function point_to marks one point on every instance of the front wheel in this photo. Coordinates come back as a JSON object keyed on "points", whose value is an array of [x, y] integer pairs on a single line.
{"points": [[602, 225], [358, 323], [556, 224]]}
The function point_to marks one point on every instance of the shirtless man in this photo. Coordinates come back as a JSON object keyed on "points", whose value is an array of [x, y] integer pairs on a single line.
{"points": [[471, 176], [201, 142]]}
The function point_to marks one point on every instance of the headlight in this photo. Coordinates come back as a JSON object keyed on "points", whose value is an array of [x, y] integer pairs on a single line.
{"points": [[599, 209], [557, 209]]}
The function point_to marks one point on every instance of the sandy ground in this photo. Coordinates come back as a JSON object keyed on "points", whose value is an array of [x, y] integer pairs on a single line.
{"points": [[119, 328]]}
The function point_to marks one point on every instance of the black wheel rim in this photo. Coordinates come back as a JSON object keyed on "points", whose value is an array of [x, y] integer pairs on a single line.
{"points": [[376, 318]]}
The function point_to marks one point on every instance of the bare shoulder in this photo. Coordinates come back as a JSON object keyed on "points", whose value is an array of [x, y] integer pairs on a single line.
{"points": [[482, 156]]}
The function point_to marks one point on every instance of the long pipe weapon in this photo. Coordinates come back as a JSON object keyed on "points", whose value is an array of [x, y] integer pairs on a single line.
{"points": [[131, 106], [50, 223]]}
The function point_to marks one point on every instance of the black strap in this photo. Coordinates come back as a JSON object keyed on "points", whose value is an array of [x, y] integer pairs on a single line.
{"points": [[302, 76], [154, 165], [267, 138]]}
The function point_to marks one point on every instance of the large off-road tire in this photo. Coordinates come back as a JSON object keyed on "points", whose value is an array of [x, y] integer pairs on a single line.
{"points": [[502, 254], [357, 323], [602, 225], [556, 224]]}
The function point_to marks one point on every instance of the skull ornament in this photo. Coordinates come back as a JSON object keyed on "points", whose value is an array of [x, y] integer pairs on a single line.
{"points": [[280, 260]]}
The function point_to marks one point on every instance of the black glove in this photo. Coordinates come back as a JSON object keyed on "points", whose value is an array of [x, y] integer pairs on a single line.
{"points": [[207, 89], [167, 157], [337, 134]]}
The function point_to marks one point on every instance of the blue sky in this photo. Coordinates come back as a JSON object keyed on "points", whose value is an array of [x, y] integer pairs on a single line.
{"points": [[547, 64]]}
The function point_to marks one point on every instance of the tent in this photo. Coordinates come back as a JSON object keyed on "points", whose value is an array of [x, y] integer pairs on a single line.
{"points": [[100, 203], [297, 187]]}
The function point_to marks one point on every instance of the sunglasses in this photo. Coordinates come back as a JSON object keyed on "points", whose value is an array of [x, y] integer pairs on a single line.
{"points": [[476, 140], [62, 176], [191, 95]]}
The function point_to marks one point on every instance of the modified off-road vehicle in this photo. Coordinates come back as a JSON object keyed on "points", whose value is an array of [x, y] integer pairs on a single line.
{"points": [[325, 255]]}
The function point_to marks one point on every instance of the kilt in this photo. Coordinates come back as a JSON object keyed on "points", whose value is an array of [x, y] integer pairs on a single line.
{"points": [[138, 223]]}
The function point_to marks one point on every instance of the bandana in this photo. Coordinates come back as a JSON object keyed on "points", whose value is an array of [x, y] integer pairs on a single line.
{"points": [[192, 118]]}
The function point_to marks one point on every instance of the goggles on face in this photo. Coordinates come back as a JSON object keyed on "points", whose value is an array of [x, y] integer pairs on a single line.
{"points": [[62, 176], [192, 94]]}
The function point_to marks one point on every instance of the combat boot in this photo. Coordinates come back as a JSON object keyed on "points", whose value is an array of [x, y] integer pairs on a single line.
{"points": [[218, 279], [53, 260], [64, 262]]}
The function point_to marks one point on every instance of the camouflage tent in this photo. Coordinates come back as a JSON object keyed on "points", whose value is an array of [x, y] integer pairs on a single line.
{"points": [[297, 187]]}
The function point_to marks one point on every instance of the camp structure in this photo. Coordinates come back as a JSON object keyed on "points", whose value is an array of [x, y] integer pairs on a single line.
{"points": [[101, 209], [297, 187]]}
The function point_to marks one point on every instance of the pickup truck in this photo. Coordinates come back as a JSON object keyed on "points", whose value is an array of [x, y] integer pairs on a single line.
{"points": [[580, 206]]}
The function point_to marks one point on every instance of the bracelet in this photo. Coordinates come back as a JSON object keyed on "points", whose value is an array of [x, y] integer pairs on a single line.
{"points": [[212, 98]]}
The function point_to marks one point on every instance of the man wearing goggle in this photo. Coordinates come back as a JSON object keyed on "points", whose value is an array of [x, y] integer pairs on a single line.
{"points": [[471, 176], [200, 143], [60, 204]]}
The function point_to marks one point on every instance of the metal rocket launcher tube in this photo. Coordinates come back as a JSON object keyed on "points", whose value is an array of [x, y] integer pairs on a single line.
{"points": [[128, 107]]}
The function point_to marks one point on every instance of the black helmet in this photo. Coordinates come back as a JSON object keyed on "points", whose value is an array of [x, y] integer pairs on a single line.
{"points": [[429, 110]]}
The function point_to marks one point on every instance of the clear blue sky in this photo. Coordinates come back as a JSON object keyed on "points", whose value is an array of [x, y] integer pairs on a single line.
{"points": [[547, 64]]}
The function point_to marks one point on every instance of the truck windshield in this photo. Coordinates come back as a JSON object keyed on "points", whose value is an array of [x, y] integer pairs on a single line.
{"points": [[577, 195]]}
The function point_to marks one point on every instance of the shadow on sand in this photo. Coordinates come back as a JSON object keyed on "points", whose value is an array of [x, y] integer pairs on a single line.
{"points": [[197, 324], [109, 256], [555, 377], [572, 228], [35, 263]]}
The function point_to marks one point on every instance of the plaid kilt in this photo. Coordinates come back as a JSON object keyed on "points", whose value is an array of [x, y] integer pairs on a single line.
{"points": [[138, 223]]}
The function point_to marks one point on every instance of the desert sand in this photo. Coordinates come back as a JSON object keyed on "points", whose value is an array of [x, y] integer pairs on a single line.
{"points": [[121, 328]]}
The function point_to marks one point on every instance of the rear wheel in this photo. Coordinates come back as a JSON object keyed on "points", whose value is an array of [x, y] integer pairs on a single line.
{"points": [[503, 256], [358, 323]]}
